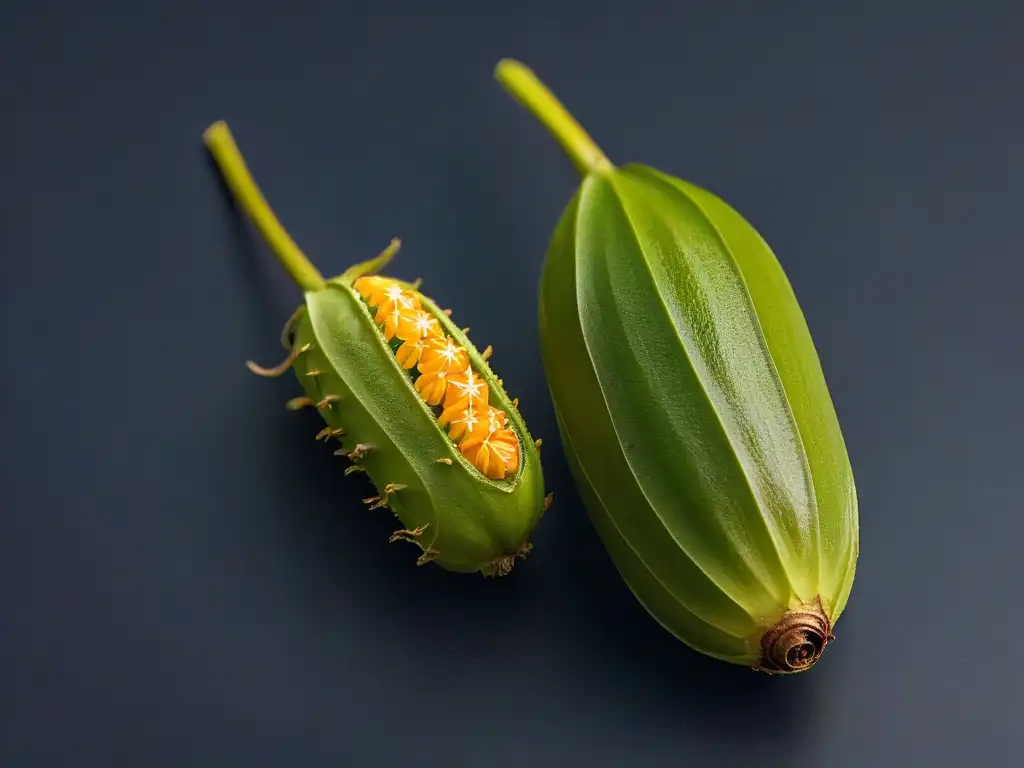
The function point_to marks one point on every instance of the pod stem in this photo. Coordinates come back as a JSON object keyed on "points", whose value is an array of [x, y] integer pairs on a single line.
{"points": [[526, 88], [222, 146]]}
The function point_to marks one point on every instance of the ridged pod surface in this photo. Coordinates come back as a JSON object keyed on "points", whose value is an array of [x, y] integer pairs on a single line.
{"points": [[693, 409], [408, 400]]}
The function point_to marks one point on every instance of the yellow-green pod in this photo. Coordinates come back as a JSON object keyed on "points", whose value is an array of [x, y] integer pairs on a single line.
{"points": [[406, 399], [693, 409]]}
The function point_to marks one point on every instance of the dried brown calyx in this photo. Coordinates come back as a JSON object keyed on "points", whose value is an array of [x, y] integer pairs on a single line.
{"points": [[797, 641]]}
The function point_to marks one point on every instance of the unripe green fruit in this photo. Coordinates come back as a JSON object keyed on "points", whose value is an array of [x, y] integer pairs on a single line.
{"points": [[408, 399], [693, 409]]}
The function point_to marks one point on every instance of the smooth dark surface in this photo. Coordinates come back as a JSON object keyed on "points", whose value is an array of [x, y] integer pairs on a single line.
{"points": [[185, 576]]}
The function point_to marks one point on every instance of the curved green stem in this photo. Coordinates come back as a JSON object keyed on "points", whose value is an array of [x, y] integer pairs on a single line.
{"points": [[520, 81], [221, 143]]}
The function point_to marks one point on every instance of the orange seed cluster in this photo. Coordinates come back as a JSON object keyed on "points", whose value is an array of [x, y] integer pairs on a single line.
{"points": [[445, 379]]}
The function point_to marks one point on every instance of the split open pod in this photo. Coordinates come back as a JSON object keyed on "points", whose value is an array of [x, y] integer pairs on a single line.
{"points": [[693, 409], [410, 402]]}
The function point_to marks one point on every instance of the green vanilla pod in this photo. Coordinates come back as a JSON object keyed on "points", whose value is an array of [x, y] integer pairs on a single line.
{"points": [[406, 398], [693, 409]]}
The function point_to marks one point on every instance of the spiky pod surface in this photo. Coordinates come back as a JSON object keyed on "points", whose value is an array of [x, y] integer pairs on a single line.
{"points": [[408, 399], [415, 406]]}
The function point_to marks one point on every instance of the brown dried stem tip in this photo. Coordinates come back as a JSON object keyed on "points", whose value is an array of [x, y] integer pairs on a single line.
{"points": [[797, 641]]}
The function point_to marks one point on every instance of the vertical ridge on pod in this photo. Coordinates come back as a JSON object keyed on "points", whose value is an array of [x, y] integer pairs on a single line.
{"points": [[774, 353], [578, 396], [707, 634], [642, 368], [709, 309], [788, 338]]}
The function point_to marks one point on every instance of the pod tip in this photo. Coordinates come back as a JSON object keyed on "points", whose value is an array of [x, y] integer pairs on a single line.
{"points": [[797, 640], [215, 131], [507, 66]]}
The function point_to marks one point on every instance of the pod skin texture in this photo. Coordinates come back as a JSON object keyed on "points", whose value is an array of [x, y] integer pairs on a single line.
{"points": [[693, 409], [407, 399]]}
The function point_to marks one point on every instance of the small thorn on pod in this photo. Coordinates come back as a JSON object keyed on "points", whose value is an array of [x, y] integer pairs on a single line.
{"points": [[374, 502], [538, 443], [391, 488], [406, 535], [327, 400], [547, 501], [328, 432], [486, 354], [350, 469], [447, 312], [500, 383], [359, 451], [445, 460], [277, 370], [502, 565], [287, 333], [466, 330], [298, 402], [314, 372], [427, 556], [304, 349], [515, 402]]}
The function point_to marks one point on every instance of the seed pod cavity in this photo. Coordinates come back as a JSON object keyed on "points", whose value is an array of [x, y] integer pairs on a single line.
{"points": [[381, 408], [443, 374]]}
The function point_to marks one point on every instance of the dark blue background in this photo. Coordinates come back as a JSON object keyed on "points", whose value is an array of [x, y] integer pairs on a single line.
{"points": [[185, 576]]}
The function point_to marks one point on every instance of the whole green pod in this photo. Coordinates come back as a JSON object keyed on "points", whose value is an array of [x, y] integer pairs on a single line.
{"points": [[407, 397], [693, 409]]}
